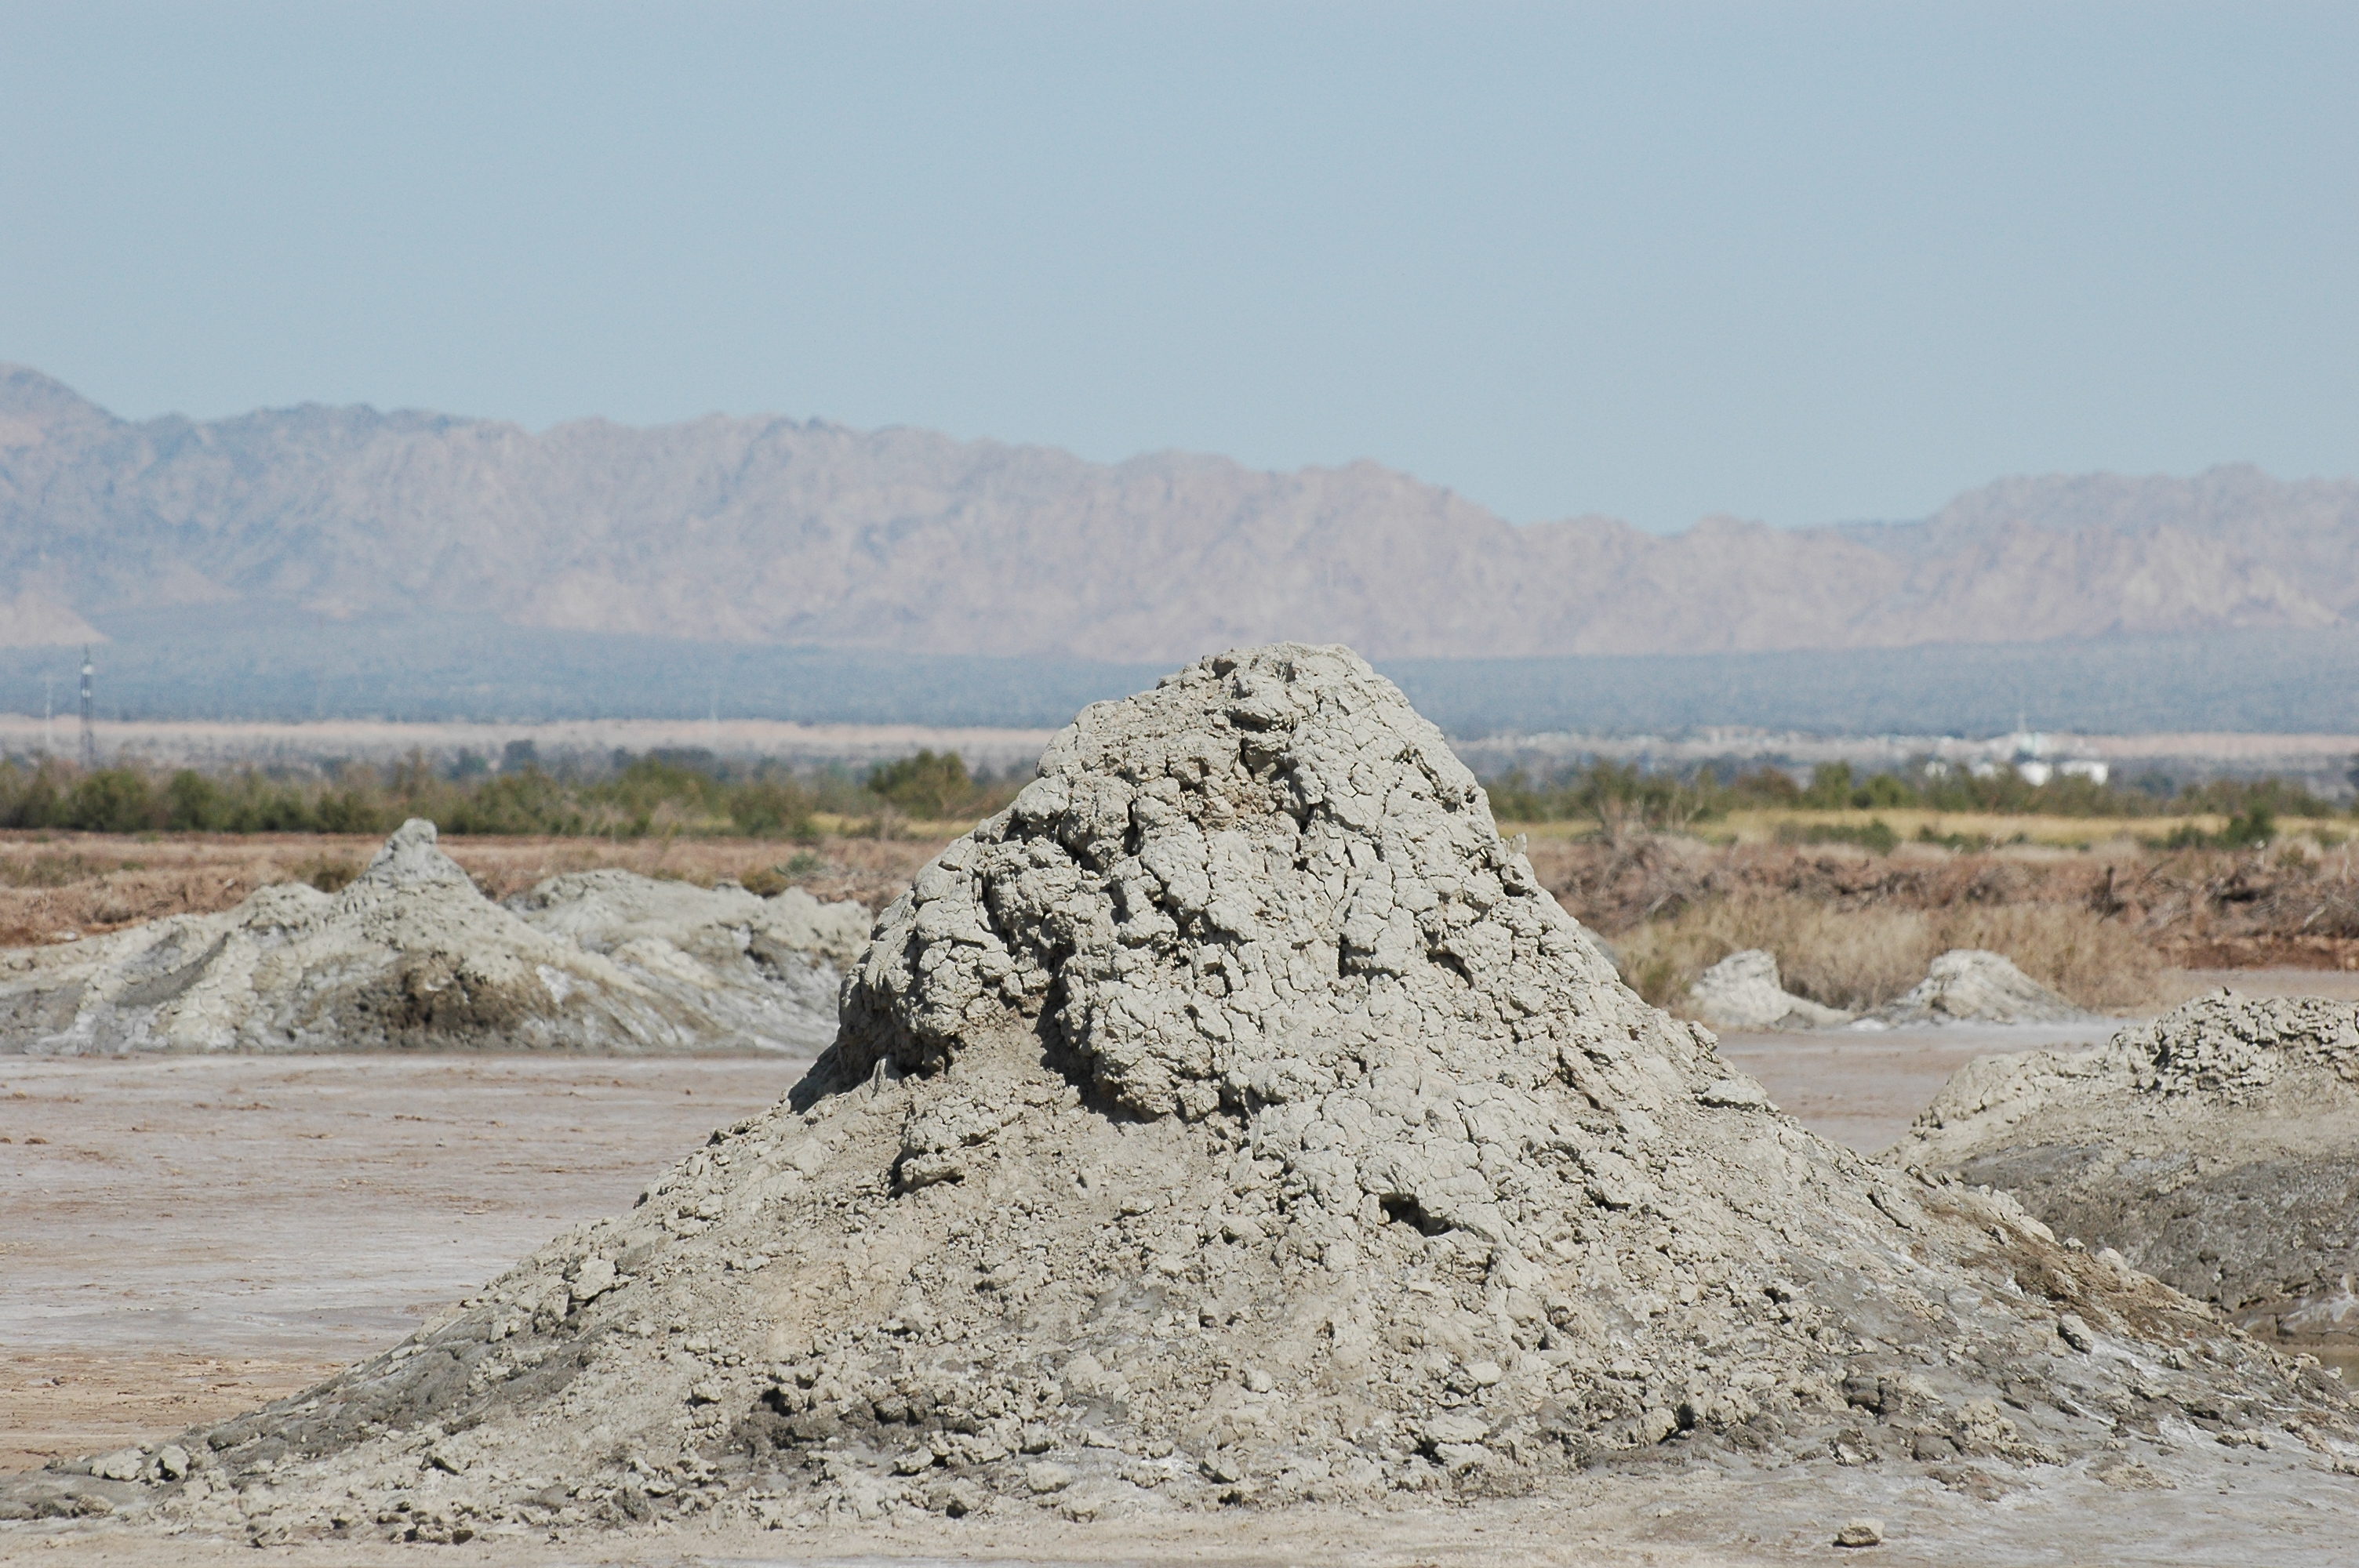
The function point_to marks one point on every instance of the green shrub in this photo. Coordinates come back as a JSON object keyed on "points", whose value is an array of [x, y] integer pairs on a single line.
{"points": [[769, 809], [1831, 787], [2248, 829], [113, 800], [350, 810], [927, 786], [1612, 794], [192, 803], [1884, 792], [1873, 834]]}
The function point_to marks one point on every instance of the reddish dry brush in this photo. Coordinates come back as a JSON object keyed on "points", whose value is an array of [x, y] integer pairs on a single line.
{"points": [[2291, 906], [2292, 898], [1861, 957], [1612, 885]]}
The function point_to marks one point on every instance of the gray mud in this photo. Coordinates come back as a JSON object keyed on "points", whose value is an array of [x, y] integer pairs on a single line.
{"points": [[1235, 1124], [2216, 1148], [412, 957], [1970, 986], [1864, 1088]]}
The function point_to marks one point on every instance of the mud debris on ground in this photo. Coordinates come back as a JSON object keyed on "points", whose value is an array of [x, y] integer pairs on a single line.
{"points": [[1235, 1121], [2216, 1148], [411, 955]]}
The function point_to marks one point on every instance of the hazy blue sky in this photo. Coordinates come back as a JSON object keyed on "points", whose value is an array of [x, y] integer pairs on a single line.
{"points": [[1793, 261]]}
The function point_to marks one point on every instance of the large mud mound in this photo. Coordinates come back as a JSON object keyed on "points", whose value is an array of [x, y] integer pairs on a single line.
{"points": [[1235, 1119], [412, 956], [2216, 1148]]}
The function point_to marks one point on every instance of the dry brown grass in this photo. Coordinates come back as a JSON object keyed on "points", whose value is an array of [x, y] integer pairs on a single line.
{"points": [[1994, 828], [1860, 959]]}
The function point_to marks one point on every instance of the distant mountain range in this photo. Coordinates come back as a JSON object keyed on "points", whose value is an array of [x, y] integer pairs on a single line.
{"points": [[767, 531]]}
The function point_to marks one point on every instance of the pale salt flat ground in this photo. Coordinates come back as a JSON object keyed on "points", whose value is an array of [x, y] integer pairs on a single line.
{"points": [[196, 1234], [191, 1236]]}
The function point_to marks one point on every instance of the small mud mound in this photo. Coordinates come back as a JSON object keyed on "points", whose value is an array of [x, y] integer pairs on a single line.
{"points": [[1966, 985], [411, 955], [1233, 1120], [1742, 992], [2216, 1148]]}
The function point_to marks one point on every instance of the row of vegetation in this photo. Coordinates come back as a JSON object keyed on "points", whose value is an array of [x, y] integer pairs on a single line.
{"points": [[692, 791], [2251, 828], [1615, 794], [658, 794]]}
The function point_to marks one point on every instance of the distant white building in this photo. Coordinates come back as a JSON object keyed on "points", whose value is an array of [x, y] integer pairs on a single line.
{"points": [[2031, 763], [2027, 752]]}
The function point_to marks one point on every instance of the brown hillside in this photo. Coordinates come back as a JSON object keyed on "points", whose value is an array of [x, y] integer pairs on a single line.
{"points": [[765, 529]]}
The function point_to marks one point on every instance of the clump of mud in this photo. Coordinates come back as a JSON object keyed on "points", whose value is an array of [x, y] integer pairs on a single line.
{"points": [[411, 955], [1968, 985], [2216, 1148], [1742, 991], [1233, 1120]]}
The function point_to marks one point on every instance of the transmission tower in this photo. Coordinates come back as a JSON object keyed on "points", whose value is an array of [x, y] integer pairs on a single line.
{"points": [[89, 716]]}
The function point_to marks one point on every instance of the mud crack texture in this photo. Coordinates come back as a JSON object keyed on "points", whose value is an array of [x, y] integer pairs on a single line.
{"points": [[2213, 1148], [1269, 889], [1233, 1120]]}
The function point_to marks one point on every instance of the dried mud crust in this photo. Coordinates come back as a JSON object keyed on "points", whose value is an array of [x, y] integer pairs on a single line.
{"points": [[1235, 1120], [412, 956], [1742, 992], [2216, 1148]]}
